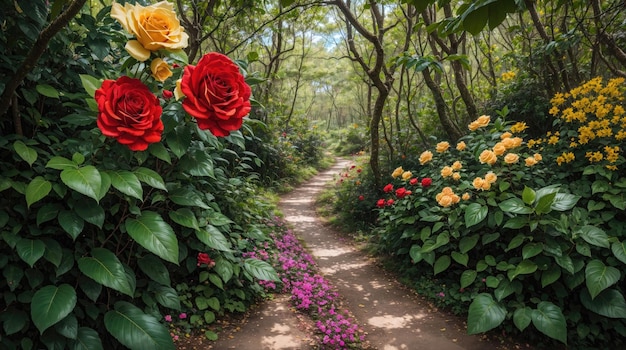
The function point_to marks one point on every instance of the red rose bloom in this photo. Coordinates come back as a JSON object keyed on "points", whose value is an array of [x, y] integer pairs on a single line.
{"points": [[414, 181], [402, 192], [427, 181], [129, 112], [204, 259], [216, 94], [388, 188], [390, 202], [167, 94], [361, 197], [380, 203]]}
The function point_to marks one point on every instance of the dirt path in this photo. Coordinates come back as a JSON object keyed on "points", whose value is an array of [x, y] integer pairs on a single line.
{"points": [[392, 317]]}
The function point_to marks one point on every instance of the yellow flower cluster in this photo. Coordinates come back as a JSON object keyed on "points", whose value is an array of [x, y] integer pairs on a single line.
{"points": [[595, 111], [452, 171], [426, 157], [442, 147], [518, 127], [481, 122], [397, 172], [484, 184], [447, 197], [507, 76]]}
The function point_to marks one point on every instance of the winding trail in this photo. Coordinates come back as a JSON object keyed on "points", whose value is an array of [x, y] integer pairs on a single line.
{"points": [[392, 317]]}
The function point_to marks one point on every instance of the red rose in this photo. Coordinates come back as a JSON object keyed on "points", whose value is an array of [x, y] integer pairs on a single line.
{"points": [[167, 94], [380, 203], [390, 202], [388, 188], [216, 94], [361, 197], [129, 112], [203, 258], [402, 192], [413, 181], [427, 181]]}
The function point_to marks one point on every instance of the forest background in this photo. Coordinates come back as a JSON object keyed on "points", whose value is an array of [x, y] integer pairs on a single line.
{"points": [[388, 80]]}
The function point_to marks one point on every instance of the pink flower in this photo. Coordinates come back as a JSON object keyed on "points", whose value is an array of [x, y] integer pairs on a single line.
{"points": [[182, 316], [168, 318]]}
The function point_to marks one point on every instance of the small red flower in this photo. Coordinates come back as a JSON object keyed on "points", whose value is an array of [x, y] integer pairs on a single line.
{"points": [[175, 65], [427, 181], [414, 181], [390, 202], [167, 94], [388, 188], [380, 203], [361, 197], [402, 192], [204, 259], [359, 170]]}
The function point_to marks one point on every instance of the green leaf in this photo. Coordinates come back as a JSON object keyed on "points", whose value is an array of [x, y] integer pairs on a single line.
{"points": [[468, 277], [460, 258], [13, 275], [47, 90], [167, 297], [594, 235], [91, 288], [179, 140], [30, 250], [158, 150], [91, 212], [68, 327], [224, 268], [564, 201], [516, 242], [51, 304], [416, 253], [515, 206], [197, 163], [187, 197], [260, 270], [26, 153], [544, 203], [90, 84], [60, 163], [441, 264], [475, 213], [531, 249], [137, 330], [551, 275], [37, 189], [127, 183], [216, 280], [218, 219], [467, 243], [213, 238], [522, 317], [599, 277], [484, 314], [87, 339], [71, 223], [549, 320], [214, 303], [85, 180], [105, 268], [528, 197], [185, 217], [523, 268], [155, 269], [154, 234], [150, 177], [18, 319], [609, 303], [619, 251]]}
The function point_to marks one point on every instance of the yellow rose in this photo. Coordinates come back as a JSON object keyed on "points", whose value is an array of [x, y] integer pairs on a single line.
{"points": [[490, 177], [178, 92], [517, 141], [442, 147], [460, 146], [530, 161], [499, 149], [445, 200], [537, 157], [397, 172], [488, 157], [407, 175], [505, 135], [482, 121], [426, 157], [457, 165], [160, 70], [456, 176], [486, 186], [466, 196], [511, 158], [478, 183], [508, 143], [446, 171], [155, 27]]}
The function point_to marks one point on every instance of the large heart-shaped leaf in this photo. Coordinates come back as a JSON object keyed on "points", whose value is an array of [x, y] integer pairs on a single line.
{"points": [[137, 330], [522, 317], [598, 277], [127, 183], [609, 303], [87, 339], [85, 180], [213, 238], [150, 177], [594, 235], [105, 268], [441, 264], [619, 251], [153, 233], [484, 314], [468, 277], [71, 223], [549, 320], [26, 153], [51, 304], [475, 213], [37, 189], [30, 250], [260, 270]]}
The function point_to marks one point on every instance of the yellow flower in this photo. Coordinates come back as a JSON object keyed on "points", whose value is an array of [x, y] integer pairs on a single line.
{"points": [[505, 135], [461, 146], [178, 92], [518, 127], [488, 157], [612, 153], [530, 161], [426, 157], [397, 172], [154, 27], [407, 175], [456, 176], [508, 143], [594, 156], [499, 149], [446, 171], [511, 158], [507, 76], [537, 157], [442, 146], [457, 165], [554, 110], [478, 183], [466, 196], [517, 141], [482, 121], [160, 70], [490, 177], [447, 197]]}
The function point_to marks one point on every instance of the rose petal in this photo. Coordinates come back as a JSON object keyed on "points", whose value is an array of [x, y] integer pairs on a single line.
{"points": [[137, 50]]}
